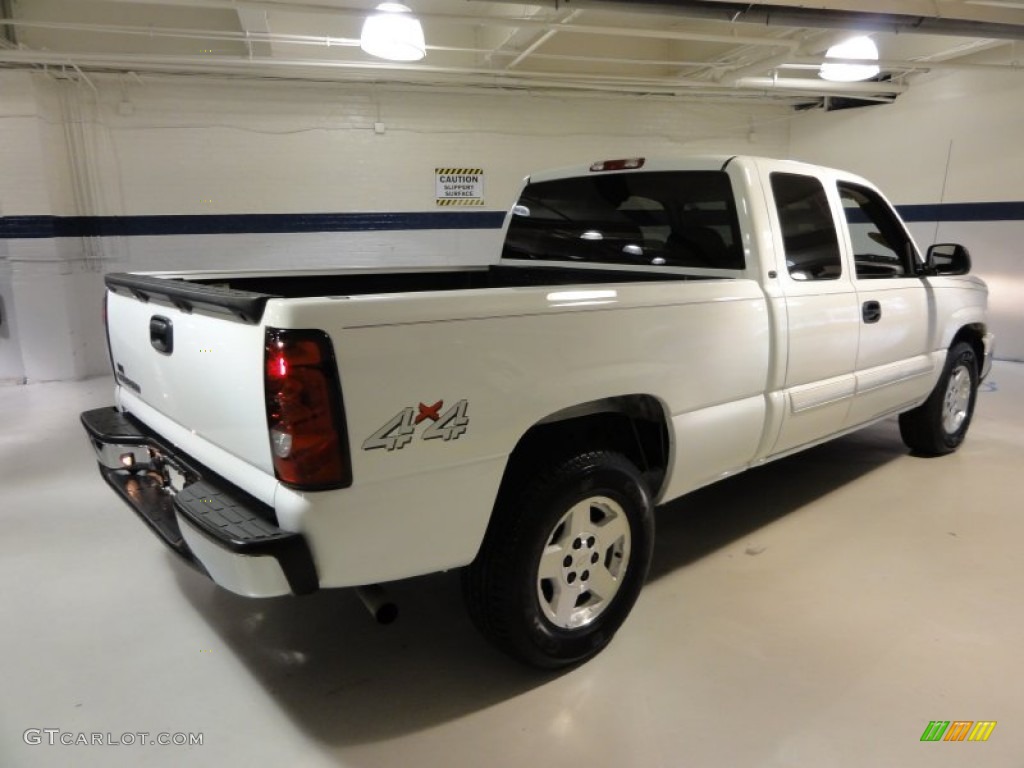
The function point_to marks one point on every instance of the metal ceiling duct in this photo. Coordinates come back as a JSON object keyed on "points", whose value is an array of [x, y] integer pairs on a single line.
{"points": [[815, 18]]}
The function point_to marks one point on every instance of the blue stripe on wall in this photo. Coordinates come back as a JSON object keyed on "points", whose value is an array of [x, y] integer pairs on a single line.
{"points": [[1009, 211], [24, 227], [20, 227]]}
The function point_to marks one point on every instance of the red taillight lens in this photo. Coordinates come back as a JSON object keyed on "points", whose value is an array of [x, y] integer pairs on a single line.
{"points": [[305, 418]]}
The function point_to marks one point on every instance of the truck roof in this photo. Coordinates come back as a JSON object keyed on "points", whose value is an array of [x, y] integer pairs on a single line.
{"points": [[633, 164], [682, 162]]}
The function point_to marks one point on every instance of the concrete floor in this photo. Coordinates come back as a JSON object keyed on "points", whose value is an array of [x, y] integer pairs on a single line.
{"points": [[816, 612]]}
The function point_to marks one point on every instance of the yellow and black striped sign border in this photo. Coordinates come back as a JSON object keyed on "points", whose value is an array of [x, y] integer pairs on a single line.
{"points": [[459, 171], [460, 201]]}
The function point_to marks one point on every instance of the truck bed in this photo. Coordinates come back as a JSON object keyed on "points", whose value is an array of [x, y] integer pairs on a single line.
{"points": [[494, 276], [245, 295]]}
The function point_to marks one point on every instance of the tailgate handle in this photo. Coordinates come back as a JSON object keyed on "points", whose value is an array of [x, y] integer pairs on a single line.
{"points": [[161, 334]]}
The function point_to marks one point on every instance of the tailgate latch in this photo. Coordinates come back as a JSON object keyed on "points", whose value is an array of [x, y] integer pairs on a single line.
{"points": [[161, 334]]}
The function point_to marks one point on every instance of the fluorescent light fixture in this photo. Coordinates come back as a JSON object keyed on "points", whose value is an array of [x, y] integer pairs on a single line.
{"points": [[393, 33], [855, 48]]}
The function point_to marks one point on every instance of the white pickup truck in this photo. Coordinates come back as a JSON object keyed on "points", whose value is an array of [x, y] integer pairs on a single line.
{"points": [[651, 327]]}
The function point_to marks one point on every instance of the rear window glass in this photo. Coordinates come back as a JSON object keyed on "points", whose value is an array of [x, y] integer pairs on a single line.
{"points": [[661, 219]]}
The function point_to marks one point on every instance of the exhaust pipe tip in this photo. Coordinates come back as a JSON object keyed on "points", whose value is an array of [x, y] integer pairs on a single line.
{"points": [[377, 601], [386, 614]]}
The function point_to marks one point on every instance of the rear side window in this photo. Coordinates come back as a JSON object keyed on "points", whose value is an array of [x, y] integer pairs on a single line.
{"points": [[808, 229], [661, 219]]}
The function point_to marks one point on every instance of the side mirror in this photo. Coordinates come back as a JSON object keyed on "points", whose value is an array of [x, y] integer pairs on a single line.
{"points": [[948, 259]]}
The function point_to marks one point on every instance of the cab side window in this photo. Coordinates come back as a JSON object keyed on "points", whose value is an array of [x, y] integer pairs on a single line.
{"points": [[881, 246], [808, 229]]}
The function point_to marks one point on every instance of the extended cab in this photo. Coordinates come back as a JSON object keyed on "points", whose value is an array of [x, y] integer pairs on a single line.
{"points": [[651, 327]]}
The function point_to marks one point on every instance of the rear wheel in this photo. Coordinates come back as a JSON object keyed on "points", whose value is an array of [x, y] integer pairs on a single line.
{"points": [[563, 561], [940, 424]]}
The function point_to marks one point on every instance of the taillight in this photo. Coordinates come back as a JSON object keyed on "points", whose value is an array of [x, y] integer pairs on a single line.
{"points": [[305, 417]]}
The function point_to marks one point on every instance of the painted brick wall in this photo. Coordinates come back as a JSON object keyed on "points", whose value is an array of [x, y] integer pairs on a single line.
{"points": [[167, 146], [187, 146], [954, 137], [33, 324], [198, 148]]}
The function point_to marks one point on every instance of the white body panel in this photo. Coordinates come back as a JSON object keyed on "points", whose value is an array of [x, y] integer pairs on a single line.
{"points": [[242, 574], [746, 366], [211, 384], [517, 356]]}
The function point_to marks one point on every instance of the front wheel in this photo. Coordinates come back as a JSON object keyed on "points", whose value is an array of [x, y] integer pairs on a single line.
{"points": [[940, 424], [563, 560]]}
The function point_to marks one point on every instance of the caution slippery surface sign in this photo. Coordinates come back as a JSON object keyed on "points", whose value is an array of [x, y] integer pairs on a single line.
{"points": [[459, 186]]}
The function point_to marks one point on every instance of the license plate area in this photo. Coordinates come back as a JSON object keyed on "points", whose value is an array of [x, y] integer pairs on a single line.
{"points": [[174, 479], [174, 474]]}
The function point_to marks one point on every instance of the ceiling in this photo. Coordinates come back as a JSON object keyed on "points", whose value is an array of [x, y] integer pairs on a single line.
{"points": [[765, 52]]}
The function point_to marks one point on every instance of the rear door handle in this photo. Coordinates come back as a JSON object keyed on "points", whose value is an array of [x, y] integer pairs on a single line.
{"points": [[871, 311]]}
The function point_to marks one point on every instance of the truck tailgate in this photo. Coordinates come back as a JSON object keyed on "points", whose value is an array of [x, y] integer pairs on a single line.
{"points": [[201, 367]]}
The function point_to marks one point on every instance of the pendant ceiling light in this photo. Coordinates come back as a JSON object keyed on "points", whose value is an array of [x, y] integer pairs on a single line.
{"points": [[855, 48], [393, 33]]}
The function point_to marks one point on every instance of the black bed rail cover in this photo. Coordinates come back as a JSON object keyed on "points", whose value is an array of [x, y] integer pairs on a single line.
{"points": [[247, 306]]}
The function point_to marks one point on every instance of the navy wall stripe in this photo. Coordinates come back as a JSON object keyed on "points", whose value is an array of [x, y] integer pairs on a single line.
{"points": [[24, 227], [1009, 211], [19, 227]]}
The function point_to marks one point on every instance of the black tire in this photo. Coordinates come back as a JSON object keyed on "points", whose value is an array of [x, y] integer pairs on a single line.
{"points": [[593, 515], [939, 425]]}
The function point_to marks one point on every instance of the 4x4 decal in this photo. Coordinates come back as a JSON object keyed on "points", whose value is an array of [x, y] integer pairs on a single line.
{"points": [[400, 429]]}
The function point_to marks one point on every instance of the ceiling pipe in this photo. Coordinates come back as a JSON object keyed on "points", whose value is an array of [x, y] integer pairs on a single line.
{"points": [[812, 63], [659, 34], [729, 77], [532, 47], [815, 85], [363, 71], [472, 20], [732, 12], [661, 63], [179, 33], [782, 61], [396, 72], [326, 42], [247, 38], [130, 61], [498, 21], [816, 18], [8, 38]]}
